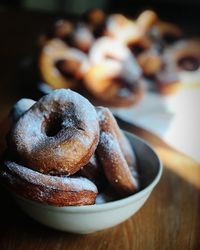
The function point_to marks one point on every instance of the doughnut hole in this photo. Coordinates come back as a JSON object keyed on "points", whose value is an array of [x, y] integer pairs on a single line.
{"points": [[53, 125], [68, 68], [189, 63]]}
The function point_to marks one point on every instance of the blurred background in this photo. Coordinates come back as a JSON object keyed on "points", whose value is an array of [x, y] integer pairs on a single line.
{"points": [[21, 22]]}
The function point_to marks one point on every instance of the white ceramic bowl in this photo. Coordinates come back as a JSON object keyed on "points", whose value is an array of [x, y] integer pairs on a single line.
{"points": [[89, 219]]}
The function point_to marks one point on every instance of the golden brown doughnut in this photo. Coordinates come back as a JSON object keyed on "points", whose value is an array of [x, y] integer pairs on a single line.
{"points": [[111, 149], [57, 135], [52, 190], [61, 66]]}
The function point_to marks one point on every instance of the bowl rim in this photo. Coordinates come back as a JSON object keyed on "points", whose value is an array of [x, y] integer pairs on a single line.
{"points": [[112, 204]]}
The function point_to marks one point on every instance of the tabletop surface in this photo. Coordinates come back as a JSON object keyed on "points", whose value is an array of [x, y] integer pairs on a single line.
{"points": [[170, 219]]}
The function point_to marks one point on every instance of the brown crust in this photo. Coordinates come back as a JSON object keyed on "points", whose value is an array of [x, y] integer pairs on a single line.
{"points": [[112, 158], [52, 190]]}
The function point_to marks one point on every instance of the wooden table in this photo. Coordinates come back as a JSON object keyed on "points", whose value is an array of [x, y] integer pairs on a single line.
{"points": [[169, 220]]}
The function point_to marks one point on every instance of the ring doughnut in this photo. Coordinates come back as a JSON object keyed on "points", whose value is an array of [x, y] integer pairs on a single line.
{"points": [[57, 135], [52, 190], [110, 150], [61, 66]]}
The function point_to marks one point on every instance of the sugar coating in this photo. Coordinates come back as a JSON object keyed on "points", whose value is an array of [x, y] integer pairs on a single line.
{"points": [[79, 132], [75, 184]]}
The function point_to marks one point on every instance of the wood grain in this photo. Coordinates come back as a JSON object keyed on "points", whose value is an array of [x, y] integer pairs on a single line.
{"points": [[169, 220]]}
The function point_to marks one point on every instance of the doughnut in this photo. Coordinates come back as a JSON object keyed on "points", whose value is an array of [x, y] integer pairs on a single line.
{"points": [[20, 108], [114, 77], [167, 81], [57, 135], [184, 57], [61, 66], [111, 148], [47, 189], [109, 84]]}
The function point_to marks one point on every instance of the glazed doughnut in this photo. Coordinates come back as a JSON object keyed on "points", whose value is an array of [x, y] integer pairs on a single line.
{"points": [[57, 135], [52, 190], [184, 57], [120, 176], [20, 108], [61, 66]]}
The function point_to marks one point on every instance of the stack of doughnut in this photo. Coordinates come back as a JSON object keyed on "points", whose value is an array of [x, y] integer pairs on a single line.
{"points": [[63, 151], [110, 58]]}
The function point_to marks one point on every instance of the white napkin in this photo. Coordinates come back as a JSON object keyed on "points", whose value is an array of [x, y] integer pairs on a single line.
{"points": [[176, 119]]}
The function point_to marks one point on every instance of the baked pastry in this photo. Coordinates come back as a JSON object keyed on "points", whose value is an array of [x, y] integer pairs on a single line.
{"points": [[116, 155], [61, 66], [52, 190], [54, 135], [52, 154]]}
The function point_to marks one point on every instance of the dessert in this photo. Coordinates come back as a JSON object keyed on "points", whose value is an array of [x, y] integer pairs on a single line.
{"points": [[56, 153], [113, 151], [61, 66], [53, 190], [55, 136]]}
